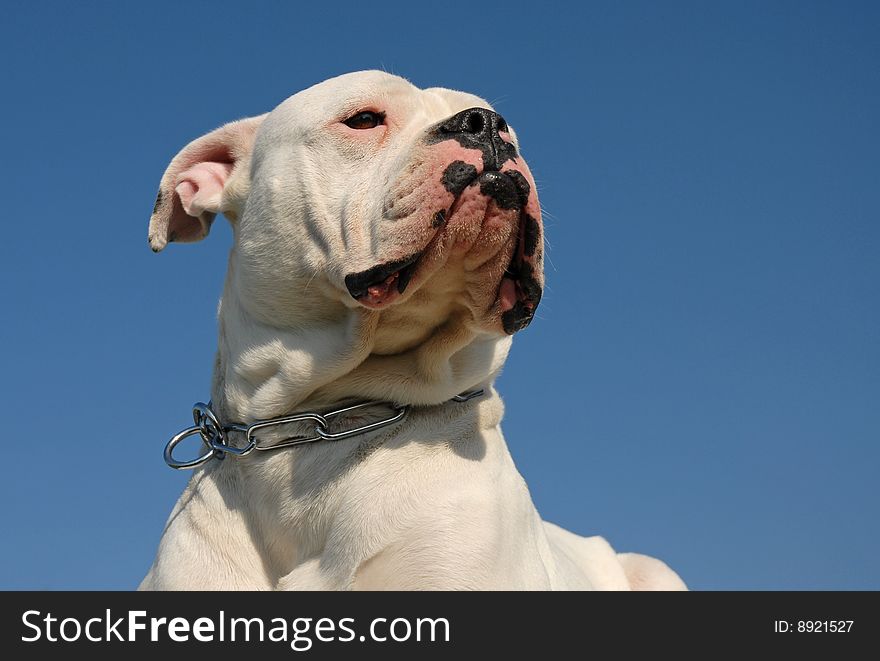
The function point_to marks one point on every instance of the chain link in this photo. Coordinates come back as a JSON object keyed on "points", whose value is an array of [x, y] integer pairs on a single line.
{"points": [[215, 436]]}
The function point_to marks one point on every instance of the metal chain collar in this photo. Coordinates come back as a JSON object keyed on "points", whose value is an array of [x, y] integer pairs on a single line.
{"points": [[215, 436]]}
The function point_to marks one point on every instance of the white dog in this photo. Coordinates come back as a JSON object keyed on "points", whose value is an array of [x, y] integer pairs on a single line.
{"points": [[388, 243]]}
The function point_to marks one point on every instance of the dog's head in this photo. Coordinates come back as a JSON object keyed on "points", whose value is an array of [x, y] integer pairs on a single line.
{"points": [[369, 191]]}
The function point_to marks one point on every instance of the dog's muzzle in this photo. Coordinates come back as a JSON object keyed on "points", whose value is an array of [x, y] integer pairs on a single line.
{"points": [[479, 187]]}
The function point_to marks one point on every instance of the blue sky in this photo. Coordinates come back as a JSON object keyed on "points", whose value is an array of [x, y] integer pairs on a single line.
{"points": [[703, 381]]}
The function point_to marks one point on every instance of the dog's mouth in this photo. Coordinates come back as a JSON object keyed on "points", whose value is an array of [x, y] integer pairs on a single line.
{"points": [[380, 285], [520, 291]]}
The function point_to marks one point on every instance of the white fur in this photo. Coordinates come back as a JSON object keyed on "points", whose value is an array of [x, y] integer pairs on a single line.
{"points": [[435, 502]]}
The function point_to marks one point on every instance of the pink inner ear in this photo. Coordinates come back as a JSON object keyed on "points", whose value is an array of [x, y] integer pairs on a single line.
{"points": [[201, 187]]}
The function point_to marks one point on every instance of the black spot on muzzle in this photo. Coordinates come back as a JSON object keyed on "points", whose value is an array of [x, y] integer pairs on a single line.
{"points": [[500, 188], [457, 176], [531, 235], [522, 186]]}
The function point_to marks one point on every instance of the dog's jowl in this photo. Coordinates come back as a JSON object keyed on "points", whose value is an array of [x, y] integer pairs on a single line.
{"points": [[387, 246]]}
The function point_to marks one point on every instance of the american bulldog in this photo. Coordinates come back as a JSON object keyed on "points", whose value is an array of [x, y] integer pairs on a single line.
{"points": [[387, 245]]}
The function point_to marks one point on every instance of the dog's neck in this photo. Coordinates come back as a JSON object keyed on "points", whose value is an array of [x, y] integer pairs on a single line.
{"points": [[264, 370], [331, 353]]}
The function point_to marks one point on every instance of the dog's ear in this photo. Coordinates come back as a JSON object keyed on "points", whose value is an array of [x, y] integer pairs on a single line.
{"points": [[192, 189]]}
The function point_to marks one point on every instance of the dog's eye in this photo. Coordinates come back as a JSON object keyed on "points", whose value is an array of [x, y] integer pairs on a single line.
{"points": [[366, 119]]}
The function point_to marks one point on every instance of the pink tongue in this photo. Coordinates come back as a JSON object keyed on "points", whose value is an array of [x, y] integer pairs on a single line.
{"points": [[377, 294], [507, 294]]}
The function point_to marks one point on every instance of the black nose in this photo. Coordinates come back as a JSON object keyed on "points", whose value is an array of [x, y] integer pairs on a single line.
{"points": [[478, 128], [478, 122]]}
